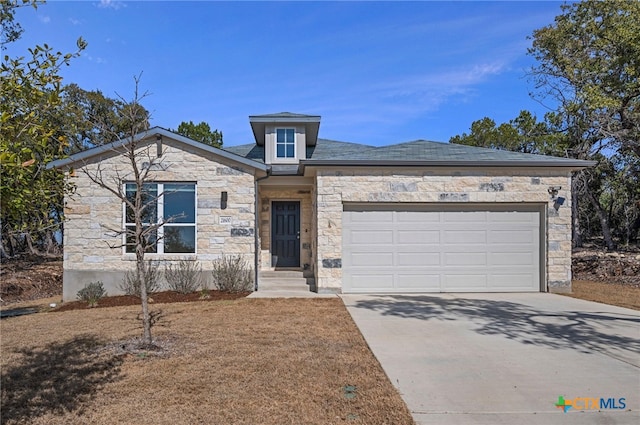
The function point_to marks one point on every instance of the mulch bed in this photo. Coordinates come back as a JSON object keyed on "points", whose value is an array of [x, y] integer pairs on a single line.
{"points": [[155, 298]]}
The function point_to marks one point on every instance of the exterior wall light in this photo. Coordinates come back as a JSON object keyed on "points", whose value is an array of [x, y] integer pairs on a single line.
{"points": [[553, 191], [223, 200]]}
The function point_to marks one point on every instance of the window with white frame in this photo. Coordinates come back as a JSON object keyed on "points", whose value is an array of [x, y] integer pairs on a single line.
{"points": [[173, 204], [285, 143]]}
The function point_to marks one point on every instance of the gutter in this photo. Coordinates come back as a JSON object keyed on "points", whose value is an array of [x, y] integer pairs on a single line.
{"points": [[257, 232], [574, 164]]}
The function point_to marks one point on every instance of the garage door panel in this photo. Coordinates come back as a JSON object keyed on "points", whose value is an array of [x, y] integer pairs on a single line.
{"points": [[511, 259], [467, 282], [420, 237], [464, 236], [371, 216], [418, 258], [428, 250], [371, 237], [513, 236], [465, 259], [463, 216], [509, 216], [373, 259], [367, 281], [413, 281], [511, 282], [417, 217]]}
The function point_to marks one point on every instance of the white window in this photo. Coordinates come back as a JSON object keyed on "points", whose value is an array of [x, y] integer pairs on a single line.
{"points": [[173, 204], [285, 143]]}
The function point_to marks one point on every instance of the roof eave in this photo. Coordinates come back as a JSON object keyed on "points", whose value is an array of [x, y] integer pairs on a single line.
{"points": [[155, 131], [311, 123], [572, 165]]}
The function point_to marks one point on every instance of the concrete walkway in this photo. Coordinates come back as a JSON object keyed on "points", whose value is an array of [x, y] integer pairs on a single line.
{"points": [[504, 358]]}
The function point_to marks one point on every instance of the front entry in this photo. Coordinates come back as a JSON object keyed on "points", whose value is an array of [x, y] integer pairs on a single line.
{"points": [[285, 234]]}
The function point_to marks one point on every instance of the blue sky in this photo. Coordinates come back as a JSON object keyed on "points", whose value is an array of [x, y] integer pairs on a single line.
{"points": [[377, 72]]}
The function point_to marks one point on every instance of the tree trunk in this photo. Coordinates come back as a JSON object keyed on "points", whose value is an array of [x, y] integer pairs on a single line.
{"points": [[144, 299], [604, 223], [140, 267], [32, 249], [3, 253]]}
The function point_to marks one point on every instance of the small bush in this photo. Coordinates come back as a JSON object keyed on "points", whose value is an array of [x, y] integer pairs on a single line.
{"points": [[132, 282], [233, 274], [183, 277], [91, 293]]}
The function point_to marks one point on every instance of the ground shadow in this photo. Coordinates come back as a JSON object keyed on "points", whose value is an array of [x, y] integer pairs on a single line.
{"points": [[60, 377], [585, 331]]}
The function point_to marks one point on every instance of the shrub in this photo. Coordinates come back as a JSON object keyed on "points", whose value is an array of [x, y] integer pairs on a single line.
{"points": [[183, 277], [91, 293], [233, 274], [132, 282]]}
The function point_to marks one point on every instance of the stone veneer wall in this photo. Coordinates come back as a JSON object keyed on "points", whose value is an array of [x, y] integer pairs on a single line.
{"points": [[92, 211], [269, 194], [335, 187]]}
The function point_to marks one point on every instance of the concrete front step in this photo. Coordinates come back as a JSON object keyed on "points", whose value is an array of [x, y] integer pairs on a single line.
{"points": [[285, 283], [285, 274]]}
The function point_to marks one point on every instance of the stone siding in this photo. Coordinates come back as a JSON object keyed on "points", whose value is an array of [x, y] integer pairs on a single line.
{"points": [[441, 186], [92, 249]]}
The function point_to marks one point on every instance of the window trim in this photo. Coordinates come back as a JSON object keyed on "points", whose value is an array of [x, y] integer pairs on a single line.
{"points": [[159, 252], [285, 144]]}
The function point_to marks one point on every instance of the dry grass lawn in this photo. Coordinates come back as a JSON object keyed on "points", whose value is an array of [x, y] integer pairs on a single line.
{"points": [[622, 295], [251, 361]]}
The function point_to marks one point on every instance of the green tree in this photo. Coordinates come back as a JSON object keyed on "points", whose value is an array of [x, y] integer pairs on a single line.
{"points": [[10, 30], [589, 65], [522, 134], [31, 197], [201, 133], [89, 118]]}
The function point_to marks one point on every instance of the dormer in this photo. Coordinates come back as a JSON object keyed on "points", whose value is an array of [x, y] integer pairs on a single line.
{"points": [[285, 136]]}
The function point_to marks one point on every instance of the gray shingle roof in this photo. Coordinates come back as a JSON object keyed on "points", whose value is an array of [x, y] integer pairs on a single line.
{"points": [[249, 151], [418, 152]]}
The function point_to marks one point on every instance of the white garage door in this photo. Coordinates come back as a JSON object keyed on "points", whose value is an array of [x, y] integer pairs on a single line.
{"points": [[423, 248]]}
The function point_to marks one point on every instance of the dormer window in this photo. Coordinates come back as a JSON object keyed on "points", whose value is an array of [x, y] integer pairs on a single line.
{"points": [[285, 143], [285, 136]]}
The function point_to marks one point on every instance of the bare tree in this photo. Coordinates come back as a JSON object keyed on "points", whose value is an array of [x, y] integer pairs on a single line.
{"points": [[133, 187]]}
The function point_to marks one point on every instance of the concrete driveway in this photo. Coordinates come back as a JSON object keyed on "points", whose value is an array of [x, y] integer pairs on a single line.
{"points": [[505, 358]]}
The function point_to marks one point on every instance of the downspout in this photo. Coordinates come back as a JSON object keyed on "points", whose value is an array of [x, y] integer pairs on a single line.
{"points": [[257, 232]]}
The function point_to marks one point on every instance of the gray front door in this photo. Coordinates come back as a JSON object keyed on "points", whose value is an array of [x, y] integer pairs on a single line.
{"points": [[285, 234]]}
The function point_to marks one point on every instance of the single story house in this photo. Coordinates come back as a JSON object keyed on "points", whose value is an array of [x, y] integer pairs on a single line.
{"points": [[406, 218]]}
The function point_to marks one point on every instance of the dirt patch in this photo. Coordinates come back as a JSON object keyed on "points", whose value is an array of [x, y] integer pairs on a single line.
{"points": [[596, 265], [249, 361], [29, 279]]}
